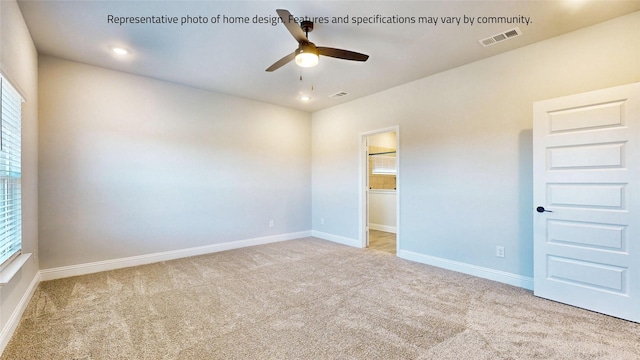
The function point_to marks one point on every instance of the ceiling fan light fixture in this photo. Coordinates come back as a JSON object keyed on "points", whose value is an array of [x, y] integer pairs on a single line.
{"points": [[307, 55], [307, 59]]}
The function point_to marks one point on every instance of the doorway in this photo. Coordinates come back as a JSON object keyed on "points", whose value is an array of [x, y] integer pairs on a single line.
{"points": [[379, 207]]}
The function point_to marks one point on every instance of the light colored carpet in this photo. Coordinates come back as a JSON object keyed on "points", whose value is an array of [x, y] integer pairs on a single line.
{"points": [[306, 299]]}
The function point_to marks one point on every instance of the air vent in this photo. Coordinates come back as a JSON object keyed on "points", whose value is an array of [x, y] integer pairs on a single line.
{"points": [[339, 94], [494, 39]]}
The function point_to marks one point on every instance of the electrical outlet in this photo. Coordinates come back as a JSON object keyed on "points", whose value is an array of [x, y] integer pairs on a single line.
{"points": [[500, 251], [321, 221], [270, 223]]}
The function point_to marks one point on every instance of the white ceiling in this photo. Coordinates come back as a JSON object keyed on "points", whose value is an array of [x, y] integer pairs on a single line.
{"points": [[232, 58]]}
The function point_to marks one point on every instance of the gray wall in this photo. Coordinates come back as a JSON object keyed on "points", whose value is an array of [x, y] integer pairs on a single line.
{"points": [[19, 62], [466, 145], [131, 165]]}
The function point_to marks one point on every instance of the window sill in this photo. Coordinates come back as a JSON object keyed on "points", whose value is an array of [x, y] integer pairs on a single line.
{"points": [[10, 271]]}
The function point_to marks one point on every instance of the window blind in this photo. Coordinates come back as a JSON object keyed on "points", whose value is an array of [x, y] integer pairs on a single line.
{"points": [[383, 164], [10, 172]]}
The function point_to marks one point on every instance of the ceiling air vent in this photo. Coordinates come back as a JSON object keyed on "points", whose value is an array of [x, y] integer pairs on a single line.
{"points": [[339, 94], [494, 39]]}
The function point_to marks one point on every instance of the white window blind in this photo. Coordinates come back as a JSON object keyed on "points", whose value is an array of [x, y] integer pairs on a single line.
{"points": [[383, 164], [10, 172]]}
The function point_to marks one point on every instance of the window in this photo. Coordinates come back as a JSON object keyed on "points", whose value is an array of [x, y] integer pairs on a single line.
{"points": [[383, 163], [10, 172]]}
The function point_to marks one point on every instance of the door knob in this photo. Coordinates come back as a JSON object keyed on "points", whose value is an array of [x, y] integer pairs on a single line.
{"points": [[541, 209]]}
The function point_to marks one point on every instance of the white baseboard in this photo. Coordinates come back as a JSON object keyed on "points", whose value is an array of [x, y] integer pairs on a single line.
{"points": [[479, 271], [385, 228], [98, 266], [337, 239], [13, 321]]}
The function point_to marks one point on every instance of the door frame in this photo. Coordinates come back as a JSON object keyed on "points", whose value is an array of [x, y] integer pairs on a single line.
{"points": [[364, 178]]}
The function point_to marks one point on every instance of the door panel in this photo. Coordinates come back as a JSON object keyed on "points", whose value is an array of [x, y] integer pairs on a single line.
{"points": [[595, 196], [587, 179], [587, 117], [586, 156], [587, 273], [587, 235]]}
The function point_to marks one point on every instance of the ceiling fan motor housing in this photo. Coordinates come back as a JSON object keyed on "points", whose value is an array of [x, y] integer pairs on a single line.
{"points": [[307, 26], [307, 47]]}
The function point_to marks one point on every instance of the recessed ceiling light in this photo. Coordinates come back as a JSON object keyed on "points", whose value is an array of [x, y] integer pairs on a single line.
{"points": [[304, 98], [120, 50]]}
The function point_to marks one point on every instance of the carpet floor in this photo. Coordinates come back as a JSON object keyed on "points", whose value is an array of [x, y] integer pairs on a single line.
{"points": [[306, 299]]}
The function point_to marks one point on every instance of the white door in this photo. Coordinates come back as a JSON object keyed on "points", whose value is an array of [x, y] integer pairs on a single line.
{"points": [[586, 193]]}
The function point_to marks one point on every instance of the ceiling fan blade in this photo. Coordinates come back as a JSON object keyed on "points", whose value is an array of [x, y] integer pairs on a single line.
{"points": [[292, 26], [281, 62], [342, 54]]}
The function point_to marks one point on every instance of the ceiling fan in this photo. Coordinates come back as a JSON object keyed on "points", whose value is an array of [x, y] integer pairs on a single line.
{"points": [[306, 55]]}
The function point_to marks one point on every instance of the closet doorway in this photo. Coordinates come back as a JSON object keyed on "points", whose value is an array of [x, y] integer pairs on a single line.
{"points": [[380, 193]]}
